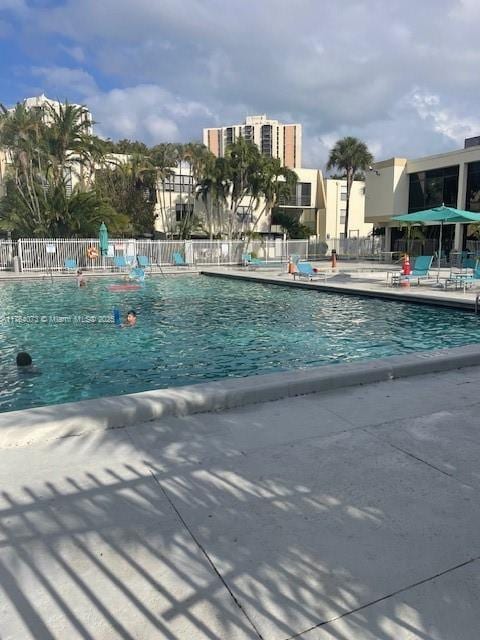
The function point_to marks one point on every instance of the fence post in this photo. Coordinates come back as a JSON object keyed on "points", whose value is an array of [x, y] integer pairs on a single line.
{"points": [[20, 254]]}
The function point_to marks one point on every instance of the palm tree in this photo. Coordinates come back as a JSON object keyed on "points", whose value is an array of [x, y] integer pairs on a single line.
{"points": [[276, 182], [212, 189], [349, 155]]}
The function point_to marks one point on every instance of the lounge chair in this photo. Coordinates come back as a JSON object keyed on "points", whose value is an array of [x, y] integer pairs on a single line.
{"points": [[143, 262], [70, 264], [305, 270], [464, 280], [120, 262], [246, 258], [178, 260], [420, 271], [256, 263]]}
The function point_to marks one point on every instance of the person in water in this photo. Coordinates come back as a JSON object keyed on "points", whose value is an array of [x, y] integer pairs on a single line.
{"points": [[25, 363], [81, 282], [131, 319]]}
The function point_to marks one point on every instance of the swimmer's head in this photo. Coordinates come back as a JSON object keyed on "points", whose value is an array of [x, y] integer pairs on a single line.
{"points": [[24, 359], [131, 317]]}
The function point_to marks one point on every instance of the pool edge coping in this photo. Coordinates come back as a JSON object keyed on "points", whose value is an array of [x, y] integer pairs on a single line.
{"points": [[29, 426]]}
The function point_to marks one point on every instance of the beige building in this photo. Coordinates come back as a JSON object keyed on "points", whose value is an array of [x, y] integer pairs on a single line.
{"points": [[332, 222], [282, 141], [39, 103], [318, 203], [401, 185]]}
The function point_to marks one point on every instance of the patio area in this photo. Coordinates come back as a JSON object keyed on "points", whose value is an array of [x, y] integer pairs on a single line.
{"points": [[345, 515]]}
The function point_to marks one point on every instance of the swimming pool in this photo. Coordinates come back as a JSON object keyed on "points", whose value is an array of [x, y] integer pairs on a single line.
{"points": [[194, 328]]}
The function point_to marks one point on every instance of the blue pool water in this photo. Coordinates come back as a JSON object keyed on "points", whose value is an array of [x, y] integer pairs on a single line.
{"points": [[194, 328]]}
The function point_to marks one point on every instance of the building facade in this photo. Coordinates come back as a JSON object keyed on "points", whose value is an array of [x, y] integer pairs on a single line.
{"points": [[332, 224], [274, 139], [400, 185], [317, 203], [42, 104]]}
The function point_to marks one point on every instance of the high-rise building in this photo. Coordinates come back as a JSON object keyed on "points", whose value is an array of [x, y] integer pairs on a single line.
{"points": [[282, 141], [40, 104]]}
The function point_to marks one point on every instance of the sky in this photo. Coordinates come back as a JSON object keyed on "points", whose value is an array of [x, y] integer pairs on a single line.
{"points": [[403, 76]]}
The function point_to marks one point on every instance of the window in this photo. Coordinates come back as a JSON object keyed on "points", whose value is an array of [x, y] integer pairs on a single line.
{"points": [[244, 214], [432, 188], [179, 184], [473, 187], [343, 215], [183, 210], [302, 196], [266, 140], [229, 136], [248, 132], [343, 192]]}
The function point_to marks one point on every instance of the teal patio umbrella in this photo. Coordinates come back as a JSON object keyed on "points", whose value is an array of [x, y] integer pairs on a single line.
{"points": [[441, 215], [103, 239]]}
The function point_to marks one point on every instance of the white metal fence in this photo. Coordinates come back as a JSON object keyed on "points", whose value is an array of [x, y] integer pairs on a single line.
{"points": [[6, 253], [51, 254]]}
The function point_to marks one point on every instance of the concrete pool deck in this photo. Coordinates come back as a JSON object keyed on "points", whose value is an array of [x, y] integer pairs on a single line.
{"points": [[351, 514]]}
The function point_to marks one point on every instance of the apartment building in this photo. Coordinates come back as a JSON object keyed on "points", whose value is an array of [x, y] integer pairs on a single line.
{"points": [[332, 223], [41, 102], [401, 185], [318, 203], [274, 139]]}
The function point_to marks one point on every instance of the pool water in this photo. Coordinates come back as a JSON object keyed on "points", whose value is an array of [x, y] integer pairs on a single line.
{"points": [[194, 328]]}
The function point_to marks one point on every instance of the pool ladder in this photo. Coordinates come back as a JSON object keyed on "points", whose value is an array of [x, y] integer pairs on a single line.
{"points": [[477, 303]]}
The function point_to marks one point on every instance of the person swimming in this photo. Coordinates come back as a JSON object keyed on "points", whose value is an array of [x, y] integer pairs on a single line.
{"points": [[81, 282], [25, 363], [131, 319]]}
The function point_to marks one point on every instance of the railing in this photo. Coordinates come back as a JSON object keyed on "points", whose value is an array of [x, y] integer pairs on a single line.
{"points": [[50, 254], [357, 247], [6, 253]]}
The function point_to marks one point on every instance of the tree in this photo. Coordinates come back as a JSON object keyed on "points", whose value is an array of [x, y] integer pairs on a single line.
{"points": [[46, 149], [130, 189], [349, 155], [212, 190], [290, 224], [275, 183]]}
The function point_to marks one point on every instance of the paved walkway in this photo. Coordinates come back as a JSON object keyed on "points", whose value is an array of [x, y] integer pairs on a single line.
{"points": [[348, 515]]}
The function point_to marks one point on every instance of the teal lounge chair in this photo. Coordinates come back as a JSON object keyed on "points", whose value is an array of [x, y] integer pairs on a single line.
{"points": [[120, 262], [143, 262], [464, 280], [70, 264], [178, 260], [256, 263], [246, 259], [420, 271], [305, 270]]}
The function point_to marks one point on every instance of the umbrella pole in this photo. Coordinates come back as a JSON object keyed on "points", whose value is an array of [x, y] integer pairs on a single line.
{"points": [[439, 250]]}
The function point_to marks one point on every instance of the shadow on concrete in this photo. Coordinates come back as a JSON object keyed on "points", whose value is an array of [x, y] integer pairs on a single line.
{"points": [[198, 531]]}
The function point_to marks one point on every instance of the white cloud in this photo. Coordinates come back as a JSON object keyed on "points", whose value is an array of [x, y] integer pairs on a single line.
{"points": [[65, 82], [145, 112], [353, 71], [444, 120]]}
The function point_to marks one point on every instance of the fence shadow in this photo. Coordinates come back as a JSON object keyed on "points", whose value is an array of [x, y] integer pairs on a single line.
{"points": [[189, 539]]}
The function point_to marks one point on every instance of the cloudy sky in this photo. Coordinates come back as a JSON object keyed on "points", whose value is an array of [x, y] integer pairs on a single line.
{"points": [[402, 75]]}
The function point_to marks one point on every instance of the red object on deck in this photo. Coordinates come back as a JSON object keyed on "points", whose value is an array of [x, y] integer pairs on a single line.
{"points": [[407, 269]]}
